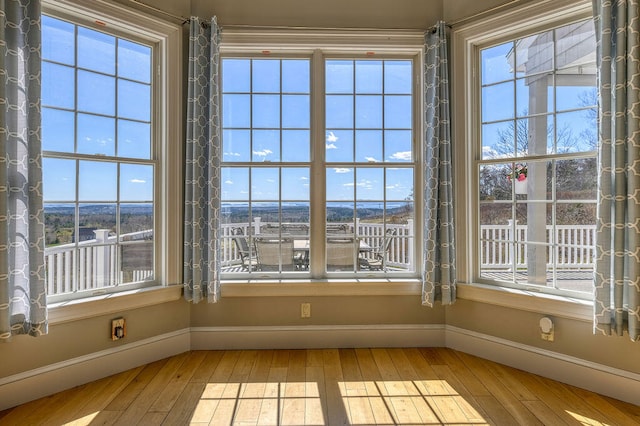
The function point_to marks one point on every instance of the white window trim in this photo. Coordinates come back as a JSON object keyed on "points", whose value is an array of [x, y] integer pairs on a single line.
{"points": [[466, 39], [168, 127]]}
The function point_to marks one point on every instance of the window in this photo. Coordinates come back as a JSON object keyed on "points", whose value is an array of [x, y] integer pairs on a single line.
{"points": [[318, 184], [103, 140], [537, 160]]}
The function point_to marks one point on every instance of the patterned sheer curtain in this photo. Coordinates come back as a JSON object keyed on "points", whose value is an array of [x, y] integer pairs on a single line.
{"points": [[23, 299], [202, 168], [438, 280], [617, 280]]}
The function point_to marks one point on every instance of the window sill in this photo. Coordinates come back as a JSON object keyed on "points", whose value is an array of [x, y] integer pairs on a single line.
{"points": [[111, 303], [329, 287], [560, 306]]}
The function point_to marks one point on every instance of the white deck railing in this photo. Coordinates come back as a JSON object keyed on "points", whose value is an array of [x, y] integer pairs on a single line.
{"points": [[573, 246], [97, 263]]}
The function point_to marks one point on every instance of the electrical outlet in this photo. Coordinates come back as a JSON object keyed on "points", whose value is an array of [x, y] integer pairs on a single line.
{"points": [[118, 329], [547, 336], [305, 310]]}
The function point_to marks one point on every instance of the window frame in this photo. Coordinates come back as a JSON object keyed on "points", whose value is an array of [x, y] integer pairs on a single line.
{"points": [[165, 41], [319, 46], [467, 41]]}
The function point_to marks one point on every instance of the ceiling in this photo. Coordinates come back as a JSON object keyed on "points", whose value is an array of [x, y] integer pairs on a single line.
{"points": [[400, 14]]}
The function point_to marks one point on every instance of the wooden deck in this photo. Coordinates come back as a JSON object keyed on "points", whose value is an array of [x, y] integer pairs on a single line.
{"points": [[324, 387]]}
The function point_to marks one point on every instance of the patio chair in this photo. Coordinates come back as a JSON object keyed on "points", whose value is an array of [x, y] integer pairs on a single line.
{"points": [[274, 254], [341, 254], [375, 259], [248, 256]]}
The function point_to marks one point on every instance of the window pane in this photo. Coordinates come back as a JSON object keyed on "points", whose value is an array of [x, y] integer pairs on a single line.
{"points": [[58, 42], [339, 145], [59, 179], [576, 179], [134, 139], [236, 75], [96, 93], [397, 112], [295, 76], [496, 64], [265, 184], [58, 130], [59, 222], [134, 61], [340, 184], [369, 146], [497, 102], [498, 140], [295, 111], [236, 111], [266, 145], [397, 145], [339, 77], [369, 184], [134, 100], [574, 97], [534, 54], [339, 112], [236, 145], [235, 183], [574, 44], [58, 88], [97, 181], [136, 182], [266, 111], [295, 145], [96, 135], [369, 112], [577, 131], [266, 75], [399, 184], [534, 95], [397, 77], [295, 184], [369, 77], [96, 51]]}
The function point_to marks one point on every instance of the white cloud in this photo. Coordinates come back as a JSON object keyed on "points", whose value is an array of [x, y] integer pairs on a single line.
{"points": [[271, 181], [228, 182], [138, 181], [331, 146], [371, 159], [232, 154], [263, 153], [331, 137], [401, 155], [304, 178], [342, 170]]}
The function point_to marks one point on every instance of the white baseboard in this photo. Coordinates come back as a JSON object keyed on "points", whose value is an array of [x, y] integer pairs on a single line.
{"points": [[33, 384], [616, 383], [317, 336]]}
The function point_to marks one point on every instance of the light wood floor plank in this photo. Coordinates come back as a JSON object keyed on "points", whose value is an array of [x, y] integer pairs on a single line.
{"points": [[419, 386]]}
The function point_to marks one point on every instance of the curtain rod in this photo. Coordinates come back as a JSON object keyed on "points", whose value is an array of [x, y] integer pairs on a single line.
{"points": [[476, 15], [155, 9]]}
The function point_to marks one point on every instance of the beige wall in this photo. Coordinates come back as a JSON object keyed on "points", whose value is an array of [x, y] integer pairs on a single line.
{"points": [[75, 339], [281, 311], [574, 338]]}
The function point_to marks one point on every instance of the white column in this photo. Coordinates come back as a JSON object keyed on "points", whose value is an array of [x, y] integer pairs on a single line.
{"points": [[102, 258]]}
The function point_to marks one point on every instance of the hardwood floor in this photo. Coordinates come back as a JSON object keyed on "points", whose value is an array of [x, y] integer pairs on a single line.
{"points": [[428, 386]]}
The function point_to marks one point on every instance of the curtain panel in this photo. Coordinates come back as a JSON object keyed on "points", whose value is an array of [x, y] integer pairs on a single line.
{"points": [[438, 280], [23, 296], [617, 284], [202, 166]]}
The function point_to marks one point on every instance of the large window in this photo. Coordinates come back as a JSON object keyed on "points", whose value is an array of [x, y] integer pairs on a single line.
{"points": [[536, 160], [100, 164], [317, 184]]}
